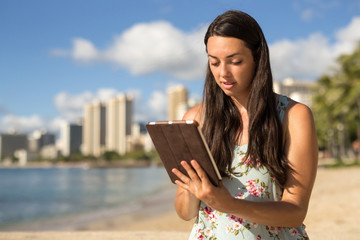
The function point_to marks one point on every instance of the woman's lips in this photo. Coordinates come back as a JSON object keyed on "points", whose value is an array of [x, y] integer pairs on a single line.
{"points": [[227, 85]]}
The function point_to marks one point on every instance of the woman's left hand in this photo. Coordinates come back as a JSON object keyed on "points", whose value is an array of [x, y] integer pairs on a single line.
{"points": [[200, 186]]}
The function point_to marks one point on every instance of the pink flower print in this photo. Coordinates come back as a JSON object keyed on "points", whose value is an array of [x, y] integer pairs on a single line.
{"points": [[273, 230], [211, 218], [236, 219], [200, 237], [294, 232], [228, 228], [236, 226], [253, 192], [239, 220], [208, 232], [208, 210], [250, 184], [260, 190], [258, 237], [257, 163], [239, 195]]}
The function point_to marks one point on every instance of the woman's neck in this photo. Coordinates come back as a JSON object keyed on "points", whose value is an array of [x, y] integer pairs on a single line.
{"points": [[241, 103]]}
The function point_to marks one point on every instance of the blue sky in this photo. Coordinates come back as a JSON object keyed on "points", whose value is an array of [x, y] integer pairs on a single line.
{"points": [[55, 56]]}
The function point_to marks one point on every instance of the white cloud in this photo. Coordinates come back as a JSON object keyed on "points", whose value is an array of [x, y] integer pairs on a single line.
{"points": [[12, 123], [304, 58], [310, 57], [84, 50], [307, 15], [157, 105], [70, 106], [348, 38], [146, 48]]}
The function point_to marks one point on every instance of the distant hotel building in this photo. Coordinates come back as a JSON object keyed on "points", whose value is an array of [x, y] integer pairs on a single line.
{"points": [[40, 139], [298, 91], [94, 129], [119, 113], [177, 102], [71, 137], [9, 143]]}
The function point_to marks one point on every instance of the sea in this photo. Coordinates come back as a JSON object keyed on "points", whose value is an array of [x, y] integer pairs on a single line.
{"points": [[28, 195]]}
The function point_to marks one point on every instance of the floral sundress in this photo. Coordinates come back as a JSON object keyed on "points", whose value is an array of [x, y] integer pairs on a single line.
{"points": [[252, 181]]}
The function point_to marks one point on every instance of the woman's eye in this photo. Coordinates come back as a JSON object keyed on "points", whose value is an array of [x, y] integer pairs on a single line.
{"points": [[237, 62], [214, 63]]}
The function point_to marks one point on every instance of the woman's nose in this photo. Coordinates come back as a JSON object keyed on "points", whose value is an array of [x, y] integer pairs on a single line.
{"points": [[224, 70]]}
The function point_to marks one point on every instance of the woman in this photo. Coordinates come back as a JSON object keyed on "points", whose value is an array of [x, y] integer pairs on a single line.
{"points": [[264, 144]]}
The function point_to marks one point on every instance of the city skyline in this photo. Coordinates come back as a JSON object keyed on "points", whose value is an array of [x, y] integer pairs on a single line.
{"points": [[57, 57]]}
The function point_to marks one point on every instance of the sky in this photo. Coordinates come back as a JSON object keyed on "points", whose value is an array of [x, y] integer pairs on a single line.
{"points": [[57, 56]]}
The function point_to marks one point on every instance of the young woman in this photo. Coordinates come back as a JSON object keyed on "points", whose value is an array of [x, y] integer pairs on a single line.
{"points": [[264, 144]]}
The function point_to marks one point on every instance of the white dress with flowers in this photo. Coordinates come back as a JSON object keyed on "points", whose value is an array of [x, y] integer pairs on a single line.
{"points": [[252, 182]]}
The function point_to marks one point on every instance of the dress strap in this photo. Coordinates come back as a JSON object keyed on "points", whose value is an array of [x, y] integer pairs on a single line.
{"points": [[281, 106]]}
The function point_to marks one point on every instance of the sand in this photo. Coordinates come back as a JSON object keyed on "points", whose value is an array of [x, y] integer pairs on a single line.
{"points": [[333, 214]]}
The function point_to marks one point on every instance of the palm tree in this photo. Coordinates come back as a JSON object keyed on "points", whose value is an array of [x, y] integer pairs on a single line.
{"points": [[337, 105]]}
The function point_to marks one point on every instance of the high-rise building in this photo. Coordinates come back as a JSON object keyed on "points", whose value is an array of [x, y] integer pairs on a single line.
{"points": [[94, 129], [71, 136], [297, 90], [9, 143], [40, 139], [177, 102], [118, 123]]}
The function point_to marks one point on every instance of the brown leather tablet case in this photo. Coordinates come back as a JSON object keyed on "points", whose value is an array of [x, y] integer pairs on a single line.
{"points": [[182, 140]]}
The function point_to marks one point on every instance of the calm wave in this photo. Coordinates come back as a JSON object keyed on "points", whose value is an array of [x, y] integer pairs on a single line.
{"points": [[39, 193]]}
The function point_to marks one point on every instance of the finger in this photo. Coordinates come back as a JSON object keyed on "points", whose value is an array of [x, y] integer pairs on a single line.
{"points": [[200, 171], [181, 176], [190, 171], [182, 185]]}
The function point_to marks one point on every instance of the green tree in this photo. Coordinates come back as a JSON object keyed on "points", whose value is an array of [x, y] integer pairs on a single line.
{"points": [[111, 155], [337, 105]]}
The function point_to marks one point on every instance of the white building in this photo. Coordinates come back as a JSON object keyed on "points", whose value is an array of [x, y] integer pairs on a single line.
{"points": [[118, 123], [94, 129], [177, 102], [297, 90], [71, 138]]}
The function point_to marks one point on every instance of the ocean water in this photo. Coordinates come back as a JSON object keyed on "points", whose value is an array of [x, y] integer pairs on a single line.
{"points": [[30, 194]]}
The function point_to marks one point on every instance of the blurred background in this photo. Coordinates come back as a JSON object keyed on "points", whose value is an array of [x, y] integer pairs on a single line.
{"points": [[80, 79]]}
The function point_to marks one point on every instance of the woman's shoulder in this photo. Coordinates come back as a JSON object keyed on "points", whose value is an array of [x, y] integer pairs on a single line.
{"points": [[297, 110], [292, 107], [298, 116], [195, 113]]}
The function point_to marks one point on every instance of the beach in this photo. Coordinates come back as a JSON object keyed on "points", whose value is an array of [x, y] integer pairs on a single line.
{"points": [[333, 211]]}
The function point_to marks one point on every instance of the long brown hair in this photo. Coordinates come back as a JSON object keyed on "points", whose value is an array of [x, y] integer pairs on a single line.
{"points": [[222, 122]]}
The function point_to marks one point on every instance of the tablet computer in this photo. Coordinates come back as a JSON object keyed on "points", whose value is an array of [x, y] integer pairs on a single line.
{"points": [[180, 140]]}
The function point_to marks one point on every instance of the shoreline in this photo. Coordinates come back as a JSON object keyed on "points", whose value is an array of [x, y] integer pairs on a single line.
{"points": [[85, 164], [156, 203], [333, 210]]}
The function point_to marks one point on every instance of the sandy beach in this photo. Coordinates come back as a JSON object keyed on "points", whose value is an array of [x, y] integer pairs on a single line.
{"points": [[333, 211]]}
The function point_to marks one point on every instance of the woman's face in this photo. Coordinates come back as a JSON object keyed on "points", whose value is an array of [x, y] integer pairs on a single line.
{"points": [[232, 65]]}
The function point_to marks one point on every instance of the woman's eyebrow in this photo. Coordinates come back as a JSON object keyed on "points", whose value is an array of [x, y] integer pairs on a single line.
{"points": [[230, 56]]}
